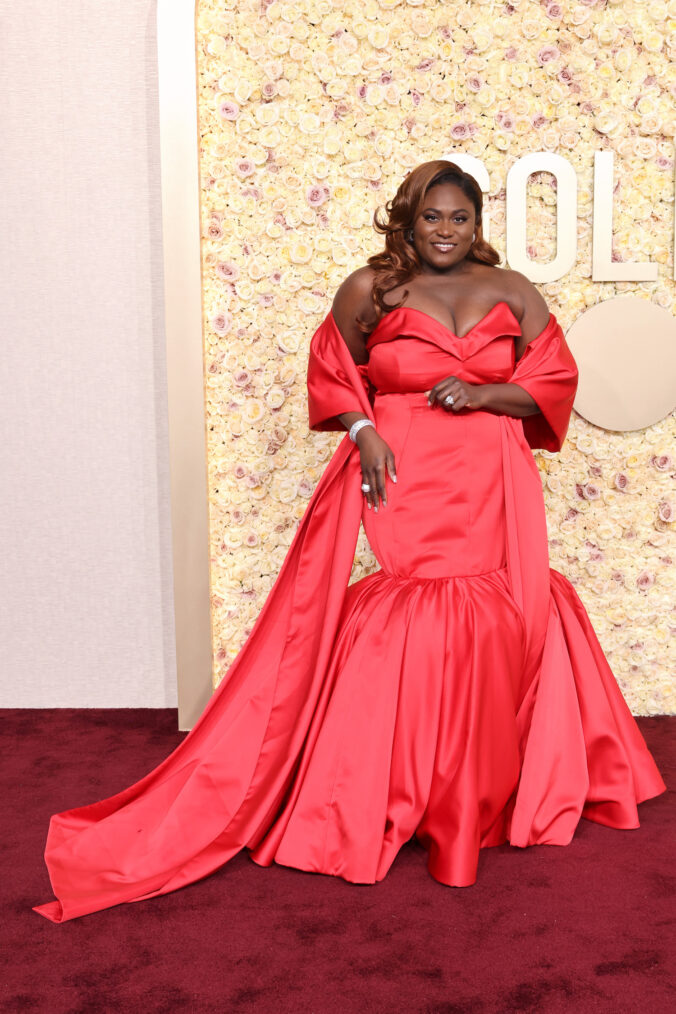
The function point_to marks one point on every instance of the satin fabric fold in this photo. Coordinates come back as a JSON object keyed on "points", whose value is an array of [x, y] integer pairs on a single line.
{"points": [[234, 780]]}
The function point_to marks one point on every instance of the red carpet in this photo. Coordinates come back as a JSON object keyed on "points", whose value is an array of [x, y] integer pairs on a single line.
{"points": [[586, 928]]}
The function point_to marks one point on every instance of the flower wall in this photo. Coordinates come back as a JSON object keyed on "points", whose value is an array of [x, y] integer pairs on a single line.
{"points": [[310, 114]]}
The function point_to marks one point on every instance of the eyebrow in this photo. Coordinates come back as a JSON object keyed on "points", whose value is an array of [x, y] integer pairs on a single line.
{"points": [[438, 212]]}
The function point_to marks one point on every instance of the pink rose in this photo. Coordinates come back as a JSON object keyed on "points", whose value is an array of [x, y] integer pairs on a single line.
{"points": [[538, 120], [269, 90], [305, 488], [251, 539], [547, 54], [617, 576], [229, 110], [571, 514], [316, 195], [591, 491], [474, 83], [505, 120], [227, 270], [621, 481], [237, 516], [240, 471], [459, 131], [554, 11], [241, 378], [665, 512], [221, 322], [511, 53], [645, 580], [214, 230], [245, 167], [662, 463]]}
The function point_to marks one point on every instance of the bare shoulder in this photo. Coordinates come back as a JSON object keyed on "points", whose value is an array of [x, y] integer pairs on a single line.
{"points": [[526, 302], [353, 300], [353, 296], [522, 292]]}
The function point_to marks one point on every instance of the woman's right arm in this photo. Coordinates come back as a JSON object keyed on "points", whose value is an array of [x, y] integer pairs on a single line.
{"points": [[352, 300]]}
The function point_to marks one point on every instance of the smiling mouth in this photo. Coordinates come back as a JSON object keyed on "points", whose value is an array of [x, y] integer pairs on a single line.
{"points": [[444, 247]]}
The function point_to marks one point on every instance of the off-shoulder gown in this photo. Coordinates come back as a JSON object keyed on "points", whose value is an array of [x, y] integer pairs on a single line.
{"points": [[459, 694]]}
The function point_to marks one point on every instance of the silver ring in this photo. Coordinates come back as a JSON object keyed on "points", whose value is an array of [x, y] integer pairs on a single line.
{"points": [[365, 488], [449, 399]]}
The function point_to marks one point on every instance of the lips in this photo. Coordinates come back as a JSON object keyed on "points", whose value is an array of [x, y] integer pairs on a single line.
{"points": [[444, 247]]}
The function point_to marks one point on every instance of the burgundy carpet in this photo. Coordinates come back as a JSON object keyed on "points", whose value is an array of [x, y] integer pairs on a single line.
{"points": [[585, 928]]}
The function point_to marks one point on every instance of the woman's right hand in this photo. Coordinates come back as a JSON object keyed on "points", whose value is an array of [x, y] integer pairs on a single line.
{"points": [[377, 460]]}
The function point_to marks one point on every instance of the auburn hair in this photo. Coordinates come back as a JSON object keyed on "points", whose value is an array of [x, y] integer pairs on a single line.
{"points": [[399, 261]]}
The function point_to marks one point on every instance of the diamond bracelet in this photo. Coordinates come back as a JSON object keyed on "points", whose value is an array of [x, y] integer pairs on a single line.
{"points": [[356, 426]]}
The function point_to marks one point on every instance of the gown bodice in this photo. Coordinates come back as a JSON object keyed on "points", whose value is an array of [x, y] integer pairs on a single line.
{"points": [[409, 350]]}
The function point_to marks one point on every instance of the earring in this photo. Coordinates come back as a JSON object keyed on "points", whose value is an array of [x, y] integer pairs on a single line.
{"points": [[409, 236], [473, 237]]}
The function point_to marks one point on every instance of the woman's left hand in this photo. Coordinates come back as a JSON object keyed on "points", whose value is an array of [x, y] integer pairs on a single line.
{"points": [[464, 395]]}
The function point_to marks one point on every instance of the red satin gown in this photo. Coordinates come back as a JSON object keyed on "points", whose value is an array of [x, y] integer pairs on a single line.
{"points": [[459, 694]]}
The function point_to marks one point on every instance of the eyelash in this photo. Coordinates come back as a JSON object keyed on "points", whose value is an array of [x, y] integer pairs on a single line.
{"points": [[458, 218]]}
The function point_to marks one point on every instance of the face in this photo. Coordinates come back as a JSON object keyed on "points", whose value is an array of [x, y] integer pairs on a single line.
{"points": [[443, 230]]}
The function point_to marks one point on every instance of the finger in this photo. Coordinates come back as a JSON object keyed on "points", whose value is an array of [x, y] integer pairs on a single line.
{"points": [[444, 403], [366, 492], [445, 388], [373, 492], [380, 485], [391, 468]]}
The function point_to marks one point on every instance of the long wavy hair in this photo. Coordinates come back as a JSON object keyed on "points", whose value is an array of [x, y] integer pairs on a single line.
{"points": [[399, 261]]}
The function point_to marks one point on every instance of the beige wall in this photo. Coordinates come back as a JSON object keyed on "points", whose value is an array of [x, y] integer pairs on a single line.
{"points": [[86, 616]]}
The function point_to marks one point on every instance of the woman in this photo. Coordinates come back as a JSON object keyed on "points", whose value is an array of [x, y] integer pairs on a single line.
{"points": [[459, 694]]}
